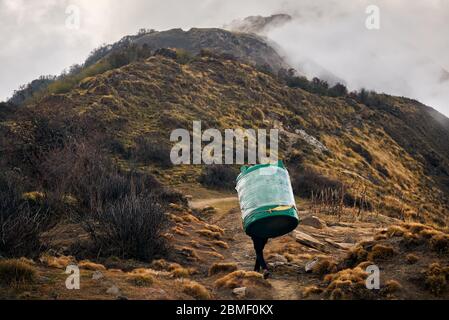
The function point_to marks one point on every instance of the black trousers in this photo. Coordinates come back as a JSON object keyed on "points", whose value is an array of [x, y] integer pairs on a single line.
{"points": [[259, 245]]}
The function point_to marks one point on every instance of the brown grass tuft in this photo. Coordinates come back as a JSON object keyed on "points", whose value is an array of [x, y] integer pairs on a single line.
{"points": [[241, 278], [222, 268], [395, 231], [381, 252], [209, 234], [220, 244], [311, 290], [391, 286], [141, 280], [16, 272], [88, 265], [347, 284], [356, 255], [194, 289], [324, 266], [411, 258], [440, 243], [436, 278], [56, 262]]}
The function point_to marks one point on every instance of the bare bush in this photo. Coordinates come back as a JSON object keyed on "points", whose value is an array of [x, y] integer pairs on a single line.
{"points": [[131, 227], [152, 151], [21, 221], [219, 176]]}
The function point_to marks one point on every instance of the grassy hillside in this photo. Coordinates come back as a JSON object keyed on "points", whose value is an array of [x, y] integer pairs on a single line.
{"points": [[389, 151]]}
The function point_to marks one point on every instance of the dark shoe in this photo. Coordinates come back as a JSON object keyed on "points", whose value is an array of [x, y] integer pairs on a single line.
{"points": [[266, 274]]}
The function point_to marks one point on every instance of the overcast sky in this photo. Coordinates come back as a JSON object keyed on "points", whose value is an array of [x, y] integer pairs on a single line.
{"points": [[406, 56]]}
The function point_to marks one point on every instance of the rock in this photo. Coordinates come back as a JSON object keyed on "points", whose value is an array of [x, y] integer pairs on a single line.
{"points": [[276, 264], [278, 258], [158, 294], [114, 290], [309, 241], [240, 292], [312, 221], [309, 265], [209, 209], [97, 275], [339, 245]]}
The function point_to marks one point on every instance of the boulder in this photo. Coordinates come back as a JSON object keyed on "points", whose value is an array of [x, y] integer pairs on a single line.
{"points": [[114, 290], [240, 292], [313, 221], [309, 241], [97, 275]]}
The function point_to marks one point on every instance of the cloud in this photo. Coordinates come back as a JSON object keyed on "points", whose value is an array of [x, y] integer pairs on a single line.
{"points": [[405, 57]]}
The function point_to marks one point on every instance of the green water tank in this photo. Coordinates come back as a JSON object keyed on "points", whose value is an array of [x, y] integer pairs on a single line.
{"points": [[266, 200]]}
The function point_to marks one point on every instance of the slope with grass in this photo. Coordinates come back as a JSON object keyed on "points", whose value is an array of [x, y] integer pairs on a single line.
{"points": [[393, 152]]}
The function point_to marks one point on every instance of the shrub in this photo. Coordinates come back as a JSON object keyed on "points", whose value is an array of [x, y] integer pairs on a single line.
{"points": [[152, 151], [219, 176], [141, 280], [440, 243], [380, 251], [16, 272], [130, 227], [435, 278], [194, 289], [241, 278], [222, 268], [21, 221], [309, 182]]}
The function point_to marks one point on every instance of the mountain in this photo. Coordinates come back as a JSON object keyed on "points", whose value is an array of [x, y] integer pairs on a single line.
{"points": [[86, 174], [393, 148], [258, 24]]}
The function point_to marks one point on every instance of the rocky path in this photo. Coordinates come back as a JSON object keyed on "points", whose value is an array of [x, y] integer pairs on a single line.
{"points": [[333, 239]]}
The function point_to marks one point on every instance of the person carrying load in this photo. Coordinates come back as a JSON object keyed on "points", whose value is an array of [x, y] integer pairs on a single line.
{"points": [[268, 206]]}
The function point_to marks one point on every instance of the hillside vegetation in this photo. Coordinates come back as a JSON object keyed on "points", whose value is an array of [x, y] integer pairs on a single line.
{"points": [[85, 159]]}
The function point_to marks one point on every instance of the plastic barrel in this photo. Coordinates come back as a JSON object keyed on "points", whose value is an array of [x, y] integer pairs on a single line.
{"points": [[266, 200]]}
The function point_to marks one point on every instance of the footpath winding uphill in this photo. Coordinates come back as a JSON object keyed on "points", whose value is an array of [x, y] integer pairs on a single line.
{"points": [[287, 255]]}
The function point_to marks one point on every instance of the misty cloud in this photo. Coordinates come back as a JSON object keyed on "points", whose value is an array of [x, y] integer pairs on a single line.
{"points": [[407, 56]]}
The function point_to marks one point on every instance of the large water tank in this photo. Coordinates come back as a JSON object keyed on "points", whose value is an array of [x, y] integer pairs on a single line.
{"points": [[266, 200]]}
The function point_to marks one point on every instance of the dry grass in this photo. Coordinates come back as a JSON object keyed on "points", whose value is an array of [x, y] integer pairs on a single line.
{"points": [[347, 284], [194, 289], [214, 228], [181, 272], [88, 265], [241, 278], [356, 255], [391, 286], [436, 278], [189, 253], [57, 262], [209, 234], [16, 272], [222, 268], [311, 290], [220, 244], [178, 230], [141, 280], [411, 258], [440, 243], [381, 252], [215, 254], [324, 266]]}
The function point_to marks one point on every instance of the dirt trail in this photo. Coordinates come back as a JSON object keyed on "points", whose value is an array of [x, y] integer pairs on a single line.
{"points": [[287, 279]]}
